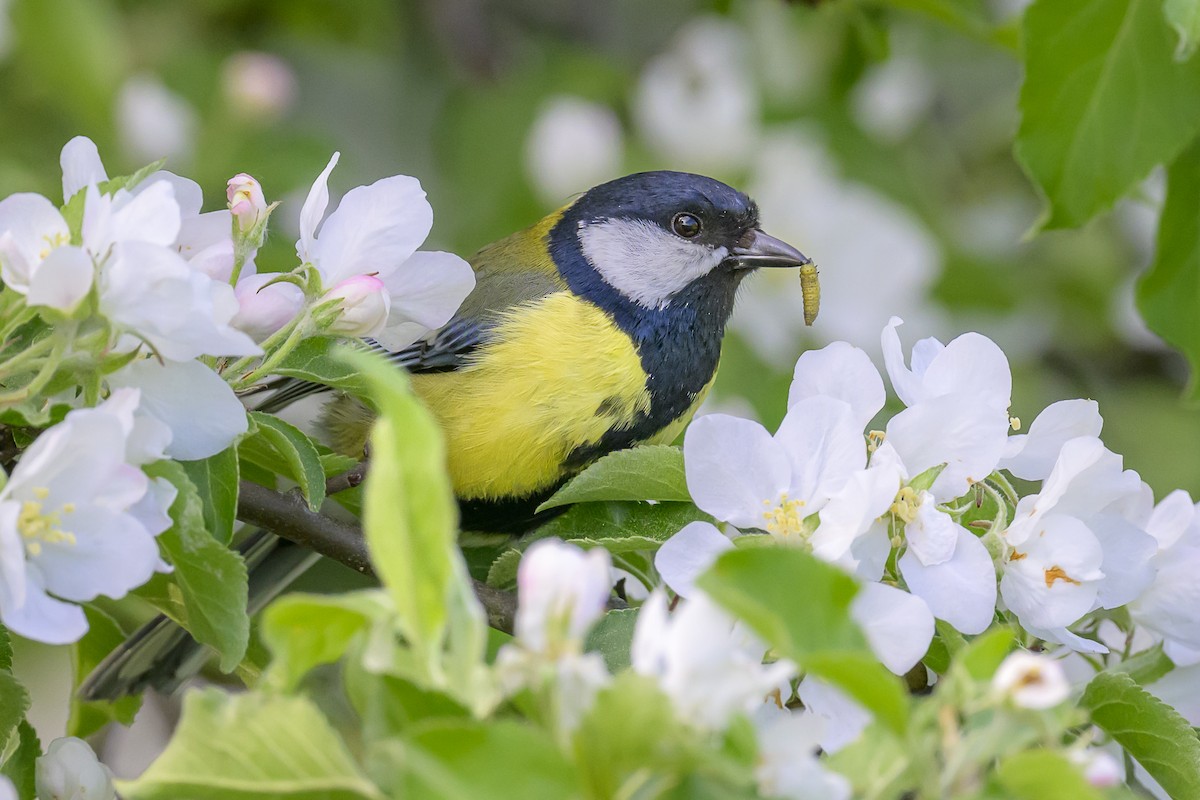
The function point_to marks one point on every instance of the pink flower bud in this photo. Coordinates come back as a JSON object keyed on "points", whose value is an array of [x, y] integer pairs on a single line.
{"points": [[246, 200], [265, 309], [365, 304]]}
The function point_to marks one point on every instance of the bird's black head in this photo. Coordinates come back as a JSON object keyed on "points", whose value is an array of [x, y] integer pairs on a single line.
{"points": [[652, 235]]}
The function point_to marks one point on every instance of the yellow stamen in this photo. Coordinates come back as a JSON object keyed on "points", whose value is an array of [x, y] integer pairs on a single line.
{"points": [[874, 439], [785, 518], [906, 504], [38, 527], [1015, 422]]}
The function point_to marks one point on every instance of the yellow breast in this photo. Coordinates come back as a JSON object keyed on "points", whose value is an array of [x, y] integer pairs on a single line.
{"points": [[555, 375]]}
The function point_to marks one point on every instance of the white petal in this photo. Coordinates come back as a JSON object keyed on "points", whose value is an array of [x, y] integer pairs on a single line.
{"points": [[647, 651], [1031, 456], [933, 535], [110, 555], [313, 211], [845, 720], [869, 552], [62, 280], [962, 590], [688, 553], [1051, 580], [844, 372], [1171, 517], [562, 591], [898, 625], [1065, 637], [202, 411], [906, 384], [188, 193], [44, 619], [970, 364], [734, 468], [1127, 554], [957, 430], [825, 447], [81, 165], [36, 228], [12, 557], [865, 497], [426, 290], [374, 229], [151, 215]]}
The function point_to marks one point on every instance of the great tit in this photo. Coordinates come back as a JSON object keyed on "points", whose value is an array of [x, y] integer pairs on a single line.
{"points": [[596, 329]]}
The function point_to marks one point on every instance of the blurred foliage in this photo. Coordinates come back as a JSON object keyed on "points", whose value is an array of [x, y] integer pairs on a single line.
{"points": [[919, 101]]}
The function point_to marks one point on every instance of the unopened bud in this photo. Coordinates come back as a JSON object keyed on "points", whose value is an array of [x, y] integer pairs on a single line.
{"points": [[1031, 681], [1099, 768], [365, 304], [246, 200], [71, 771], [262, 309]]}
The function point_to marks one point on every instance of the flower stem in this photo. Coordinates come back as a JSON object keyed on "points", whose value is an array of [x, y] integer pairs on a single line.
{"points": [[17, 363], [48, 368]]}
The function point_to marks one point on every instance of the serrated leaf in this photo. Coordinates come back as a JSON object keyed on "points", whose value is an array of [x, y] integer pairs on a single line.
{"points": [[14, 702], [102, 637], [800, 606], [1043, 775], [251, 746], [216, 479], [612, 638], [1168, 292], [1100, 104], [1145, 667], [6, 652], [298, 453], [211, 578], [650, 472], [1151, 731], [20, 766], [1184, 16], [316, 359]]}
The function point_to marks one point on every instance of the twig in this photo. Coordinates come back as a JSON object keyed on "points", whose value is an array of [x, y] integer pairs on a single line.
{"points": [[287, 515], [347, 480]]}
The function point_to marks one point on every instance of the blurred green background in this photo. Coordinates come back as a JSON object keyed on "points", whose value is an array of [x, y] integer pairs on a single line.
{"points": [[876, 136]]}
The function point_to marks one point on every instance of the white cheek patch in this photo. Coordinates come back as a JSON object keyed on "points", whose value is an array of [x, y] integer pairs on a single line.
{"points": [[644, 262]]}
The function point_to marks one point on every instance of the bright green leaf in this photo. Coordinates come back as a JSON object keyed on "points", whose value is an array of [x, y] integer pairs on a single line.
{"points": [[650, 472], [1101, 102], [307, 630], [315, 359], [612, 638], [497, 761], [1043, 775], [19, 768], [388, 704], [1145, 667], [248, 747], [216, 479], [211, 577], [6, 652], [102, 637], [1168, 294], [297, 451], [801, 607], [1184, 16], [982, 655], [1150, 730]]}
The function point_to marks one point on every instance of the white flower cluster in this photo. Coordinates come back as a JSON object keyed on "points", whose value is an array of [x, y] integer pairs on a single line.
{"points": [[129, 292], [890, 506]]}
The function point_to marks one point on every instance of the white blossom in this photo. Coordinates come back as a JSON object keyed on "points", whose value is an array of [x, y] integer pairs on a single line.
{"points": [[787, 764], [70, 771], [1031, 681]]}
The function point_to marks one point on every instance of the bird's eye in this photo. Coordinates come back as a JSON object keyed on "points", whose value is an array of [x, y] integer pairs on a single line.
{"points": [[686, 225]]}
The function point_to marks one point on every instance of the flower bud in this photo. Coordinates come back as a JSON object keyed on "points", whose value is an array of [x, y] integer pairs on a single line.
{"points": [[562, 591], [364, 305], [246, 200], [263, 309], [71, 771], [1099, 768], [1031, 681]]}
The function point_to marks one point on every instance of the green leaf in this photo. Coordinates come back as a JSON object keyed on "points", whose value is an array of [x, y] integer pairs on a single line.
{"points": [[1043, 775], [490, 761], [316, 359], [6, 652], [1145, 667], [801, 607], [983, 654], [388, 704], [306, 630], [612, 638], [650, 472], [1168, 293], [877, 763], [410, 520], [1184, 16], [251, 746], [298, 453], [14, 702], [946, 642], [1150, 730], [1100, 105], [20, 766], [102, 637], [211, 577], [216, 479]]}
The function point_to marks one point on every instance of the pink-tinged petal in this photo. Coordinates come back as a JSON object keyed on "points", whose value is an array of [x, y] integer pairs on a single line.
{"points": [[905, 382], [62, 280], [202, 411], [42, 618], [81, 165], [200, 232], [426, 290], [970, 364], [263, 309], [735, 470], [824, 445], [933, 535], [374, 229], [961, 590], [1171, 517], [313, 211], [956, 430], [1031, 456], [898, 625], [688, 553], [363, 305], [844, 372], [865, 497]]}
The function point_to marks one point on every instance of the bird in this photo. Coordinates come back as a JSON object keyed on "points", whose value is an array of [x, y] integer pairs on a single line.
{"points": [[596, 329]]}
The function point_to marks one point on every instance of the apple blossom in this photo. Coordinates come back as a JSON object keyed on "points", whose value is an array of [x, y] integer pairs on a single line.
{"points": [[787, 766], [1031, 681], [246, 200], [1170, 606], [263, 309], [70, 771], [363, 304]]}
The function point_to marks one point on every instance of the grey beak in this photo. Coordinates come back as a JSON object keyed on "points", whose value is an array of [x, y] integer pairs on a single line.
{"points": [[757, 249]]}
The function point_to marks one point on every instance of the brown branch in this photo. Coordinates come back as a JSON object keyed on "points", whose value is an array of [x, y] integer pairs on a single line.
{"points": [[286, 515], [347, 480]]}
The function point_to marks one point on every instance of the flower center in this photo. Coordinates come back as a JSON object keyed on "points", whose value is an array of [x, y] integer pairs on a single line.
{"points": [[52, 241], [1057, 573], [38, 527], [906, 504], [785, 518], [874, 439]]}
